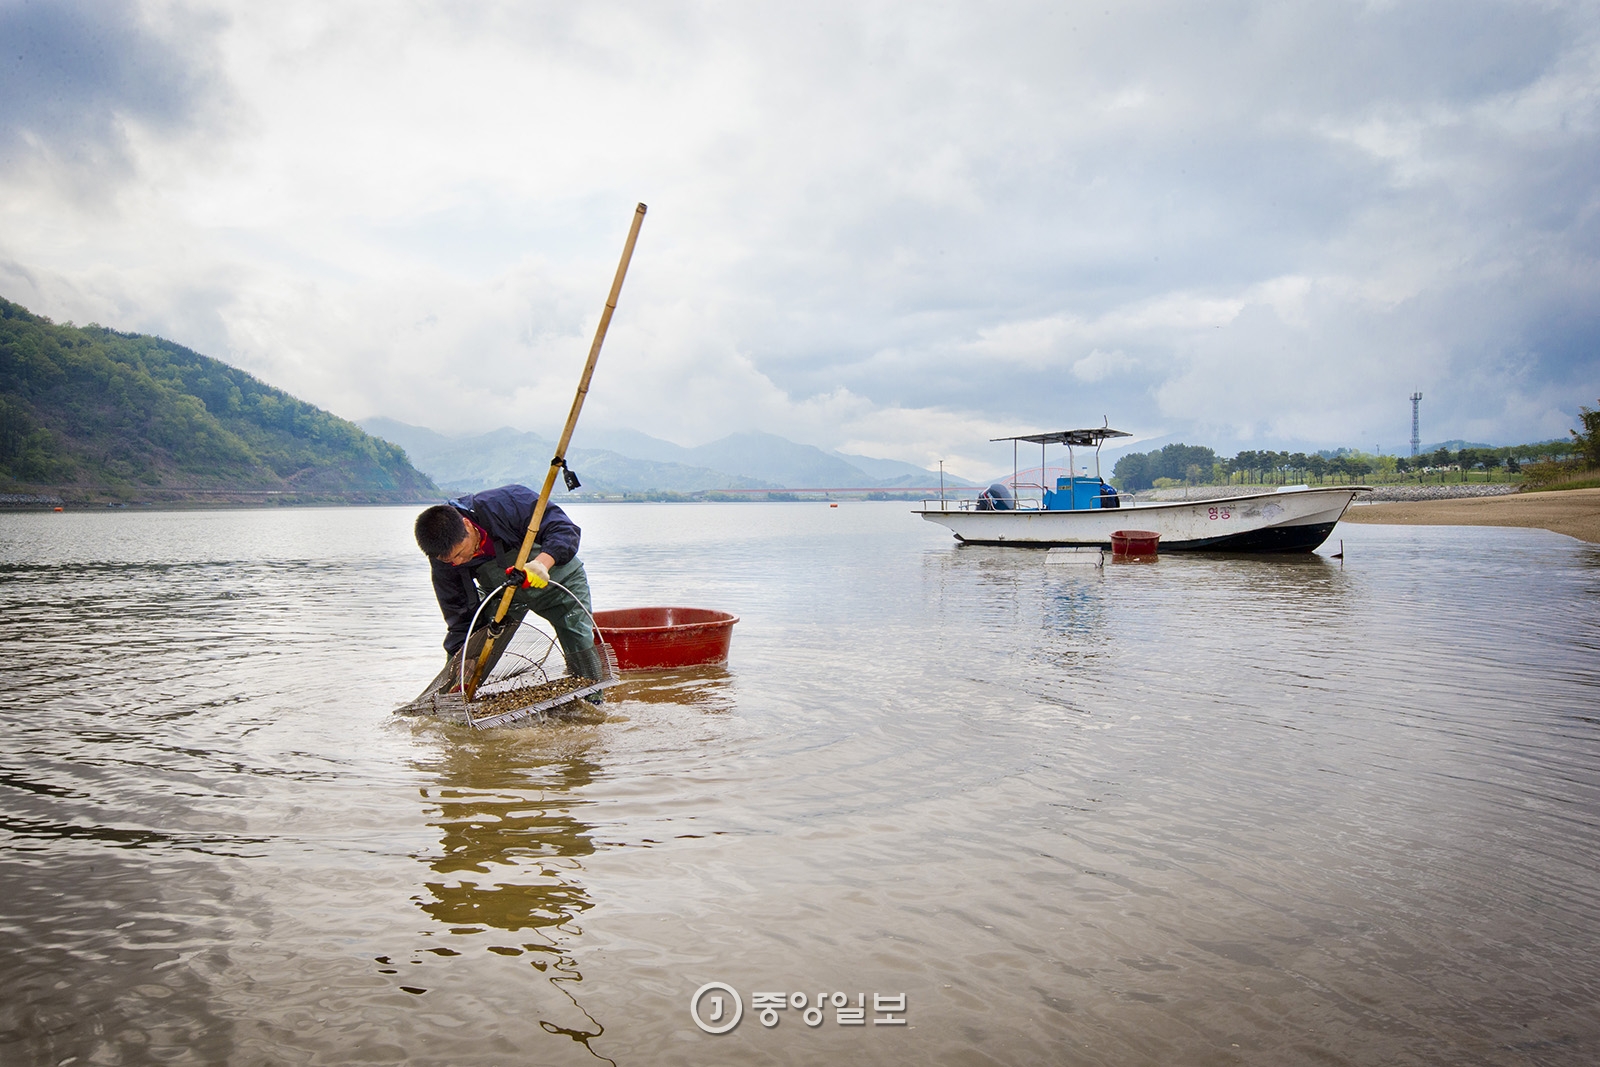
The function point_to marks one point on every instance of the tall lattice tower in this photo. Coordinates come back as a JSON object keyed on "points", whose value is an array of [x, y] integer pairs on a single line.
{"points": [[1416, 437]]}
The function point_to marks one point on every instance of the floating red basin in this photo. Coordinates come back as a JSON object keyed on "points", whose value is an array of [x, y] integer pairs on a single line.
{"points": [[656, 639], [1134, 543]]}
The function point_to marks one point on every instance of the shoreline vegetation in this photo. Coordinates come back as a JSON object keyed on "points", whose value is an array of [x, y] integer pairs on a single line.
{"points": [[93, 416], [1545, 463], [1573, 463]]}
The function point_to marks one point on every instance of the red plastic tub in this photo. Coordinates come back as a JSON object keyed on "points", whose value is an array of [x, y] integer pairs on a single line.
{"points": [[657, 639], [1134, 543]]}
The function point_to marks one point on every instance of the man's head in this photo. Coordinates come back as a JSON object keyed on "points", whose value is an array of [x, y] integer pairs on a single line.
{"points": [[443, 534]]}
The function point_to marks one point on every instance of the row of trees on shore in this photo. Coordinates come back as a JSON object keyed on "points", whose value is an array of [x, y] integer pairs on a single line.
{"points": [[1180, 464]]}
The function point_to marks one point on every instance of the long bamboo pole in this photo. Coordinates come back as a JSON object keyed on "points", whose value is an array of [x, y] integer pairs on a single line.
{"points": [[560, 461]]}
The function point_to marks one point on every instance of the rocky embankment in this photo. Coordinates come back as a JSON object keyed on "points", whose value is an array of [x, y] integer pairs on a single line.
{"points": [[29, 500], [1385, 493]]}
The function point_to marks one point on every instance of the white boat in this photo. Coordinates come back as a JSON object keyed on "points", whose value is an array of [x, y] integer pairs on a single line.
{"points": [[1083, 511]]}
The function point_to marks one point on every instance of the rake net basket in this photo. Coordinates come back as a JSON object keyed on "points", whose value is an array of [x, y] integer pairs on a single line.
{"points": [[519, 682]]}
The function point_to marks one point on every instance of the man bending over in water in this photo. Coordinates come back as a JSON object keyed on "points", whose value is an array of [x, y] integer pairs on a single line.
{"points": [[470, 542]]}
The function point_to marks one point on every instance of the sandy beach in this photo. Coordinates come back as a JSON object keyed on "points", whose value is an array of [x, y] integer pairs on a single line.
{"points": [[1574, 512]]}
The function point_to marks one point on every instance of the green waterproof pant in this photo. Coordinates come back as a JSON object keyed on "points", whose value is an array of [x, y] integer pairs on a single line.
{"points": [[569, 620]]}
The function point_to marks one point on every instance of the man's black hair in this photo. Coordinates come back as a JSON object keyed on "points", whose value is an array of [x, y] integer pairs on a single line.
{"points": [[439, 529]]}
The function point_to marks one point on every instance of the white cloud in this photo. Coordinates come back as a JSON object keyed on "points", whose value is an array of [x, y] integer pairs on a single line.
{"points": [[1098, 366], [890, 234]]}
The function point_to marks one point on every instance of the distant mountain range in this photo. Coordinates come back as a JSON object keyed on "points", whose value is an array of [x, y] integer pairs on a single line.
{"points": [[95, 415], [90, 414], [627, 461]]}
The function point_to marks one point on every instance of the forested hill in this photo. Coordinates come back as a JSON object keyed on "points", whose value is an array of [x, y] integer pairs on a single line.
{"points": [[92, 414]]}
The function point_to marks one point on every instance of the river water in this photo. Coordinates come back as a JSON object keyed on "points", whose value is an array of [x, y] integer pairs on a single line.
{"points": [[1208, 810]]}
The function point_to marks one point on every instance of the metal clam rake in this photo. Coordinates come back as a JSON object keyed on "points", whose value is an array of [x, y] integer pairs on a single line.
{"points": [[518, 684]]}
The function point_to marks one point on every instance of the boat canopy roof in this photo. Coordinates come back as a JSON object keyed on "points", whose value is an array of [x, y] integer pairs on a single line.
{"points": [[1077, 438]]}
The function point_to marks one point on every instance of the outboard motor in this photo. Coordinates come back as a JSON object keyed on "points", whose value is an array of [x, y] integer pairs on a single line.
{"points": [[997, 498], [1108, 496]]}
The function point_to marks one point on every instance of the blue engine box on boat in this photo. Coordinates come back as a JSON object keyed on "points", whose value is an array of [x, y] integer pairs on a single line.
{"points": [[1073, 494]]}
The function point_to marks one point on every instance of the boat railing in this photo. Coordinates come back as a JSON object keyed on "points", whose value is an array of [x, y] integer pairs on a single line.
{"points": [[1023, 503], [953, 504]]}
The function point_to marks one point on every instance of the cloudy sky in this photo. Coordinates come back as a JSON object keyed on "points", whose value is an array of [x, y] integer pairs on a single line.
{"points": [[889, 228]]}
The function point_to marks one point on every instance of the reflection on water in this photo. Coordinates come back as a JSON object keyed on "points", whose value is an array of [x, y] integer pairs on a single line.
{"points": [[510, 856], [1206, 810], [708, 689], [493, 816]]}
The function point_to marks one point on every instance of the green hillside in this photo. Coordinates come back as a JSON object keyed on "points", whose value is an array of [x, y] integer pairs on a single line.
{"points": [[92, 414]]}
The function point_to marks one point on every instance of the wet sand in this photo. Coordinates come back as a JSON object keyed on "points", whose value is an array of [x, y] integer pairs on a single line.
{"points": [[1574, 512]]}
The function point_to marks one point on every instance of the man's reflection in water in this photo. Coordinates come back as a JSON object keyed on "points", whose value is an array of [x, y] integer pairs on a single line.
{"points": [[511, 852]]}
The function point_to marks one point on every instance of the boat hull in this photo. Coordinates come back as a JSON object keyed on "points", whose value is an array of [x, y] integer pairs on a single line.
{"points": [[1296, 520]]}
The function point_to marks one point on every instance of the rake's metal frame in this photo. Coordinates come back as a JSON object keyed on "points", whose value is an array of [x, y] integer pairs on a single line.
{"points": [[452, 705]]}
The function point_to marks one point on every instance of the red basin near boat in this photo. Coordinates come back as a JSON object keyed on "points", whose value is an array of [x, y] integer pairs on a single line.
{"points": [[656, 639], [1134, 543]]}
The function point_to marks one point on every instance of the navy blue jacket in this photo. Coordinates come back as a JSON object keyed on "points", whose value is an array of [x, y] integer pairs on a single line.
{"points": [[504, 513]]}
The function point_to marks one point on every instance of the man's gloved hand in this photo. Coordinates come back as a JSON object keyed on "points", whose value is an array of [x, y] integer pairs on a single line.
{"points": [[534, 574]]}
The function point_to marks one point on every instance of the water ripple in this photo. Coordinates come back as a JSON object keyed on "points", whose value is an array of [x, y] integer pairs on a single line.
{"points": [[1210, 809]]}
